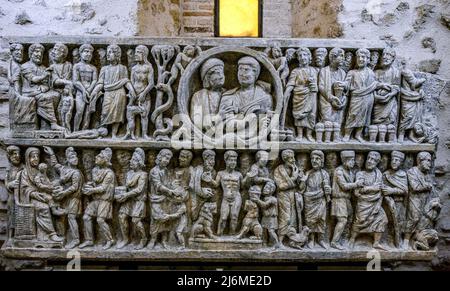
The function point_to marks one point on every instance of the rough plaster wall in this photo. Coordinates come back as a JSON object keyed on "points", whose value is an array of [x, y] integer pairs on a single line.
{"points": [[69, 17], [276, 22], [316, 18], [159, 17]]}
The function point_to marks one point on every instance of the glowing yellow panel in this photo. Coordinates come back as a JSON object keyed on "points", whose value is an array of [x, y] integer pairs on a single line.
{"points": [[238, 18]]}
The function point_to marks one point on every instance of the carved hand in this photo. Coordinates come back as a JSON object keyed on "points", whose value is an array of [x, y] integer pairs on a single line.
{"points": [[49, 151]]}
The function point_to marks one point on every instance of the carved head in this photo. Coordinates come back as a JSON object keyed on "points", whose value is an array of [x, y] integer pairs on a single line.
{"points": [[348, 159], [245, 161], [185, 158], [290, 53], [397, 159], [60, 52], [16, 50], [362, 57], [212, 74], [36, 53], [43, 168], [374, 57], [424, 161], [13, 153], [189, 51], [276, 52], [230, 158], [123, 157], [336, 57], [373, 158], [71, 156], [103, 131], [254, 192], [288, 157], [103, 159], [304, 56], [419, 129], [320, 57], [76, 55], [359, 160], [388, 57], [113, 53], [88, 157], [248, 71], [209, 159], [32, 158], [269, 189], [138, 159], [331, 160], [86, 52], [317, 158], [141, 54], [262, 157], [163, 158]]}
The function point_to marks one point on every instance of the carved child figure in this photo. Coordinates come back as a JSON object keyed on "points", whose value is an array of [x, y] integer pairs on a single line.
{"points": [[46, 187], [66, 108], [269, 207], [250, 221]]}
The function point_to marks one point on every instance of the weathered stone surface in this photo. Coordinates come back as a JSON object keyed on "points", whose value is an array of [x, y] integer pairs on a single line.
{"points": [[430, 66], [429, 42], [23, 18]]}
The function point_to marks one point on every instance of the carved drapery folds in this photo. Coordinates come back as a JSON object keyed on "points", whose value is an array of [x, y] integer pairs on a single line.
{"points": [[207, 146]]}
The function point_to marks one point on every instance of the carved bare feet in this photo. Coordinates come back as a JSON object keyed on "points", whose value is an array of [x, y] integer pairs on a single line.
{"points": [[337, 246], [108, 244], [56, 238], [141, 244], [122, 244], [86, 244], [72, 244]]}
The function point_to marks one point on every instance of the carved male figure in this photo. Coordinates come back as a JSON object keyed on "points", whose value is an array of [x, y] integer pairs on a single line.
{"points": [[259, 173], [160, 192], [143, 83], [113, 79], [370, 217], [343, 186], [362, 84], [385, 107], [279, 61], [316, 195], [182, 202], [332, 100], [238, 105], [231, 182], [395, 189], [61, 69], [35, 82], [133, 200], [101, 188], [85, 77], [320, 57], [420, 189], [71, 181], [287, 177], [204, 188], [411, 105], [11, 184], [303, 84], [204, 105]]}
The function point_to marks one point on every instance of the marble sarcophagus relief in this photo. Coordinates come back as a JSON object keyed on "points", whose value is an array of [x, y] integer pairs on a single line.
{"points": [[219, 148]]}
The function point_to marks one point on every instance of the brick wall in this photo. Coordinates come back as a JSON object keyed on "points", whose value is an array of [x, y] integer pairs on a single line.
{"points": [[198, 18]]}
